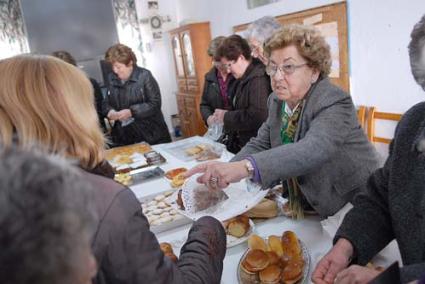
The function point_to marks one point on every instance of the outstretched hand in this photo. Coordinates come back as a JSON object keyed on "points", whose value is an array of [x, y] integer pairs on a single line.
{"points": [[219, 174]]}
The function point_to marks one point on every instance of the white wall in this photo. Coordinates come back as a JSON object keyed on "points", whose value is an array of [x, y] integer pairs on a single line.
{"points": [[159, 57], [379, 32]]}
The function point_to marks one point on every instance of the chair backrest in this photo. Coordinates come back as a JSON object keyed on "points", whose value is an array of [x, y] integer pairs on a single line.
{"points": [[361, 116], [374, 115]]}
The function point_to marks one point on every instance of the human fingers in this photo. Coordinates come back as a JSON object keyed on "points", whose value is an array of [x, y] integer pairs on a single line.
{"points": [[195, 170], [332, 272], [320, 271]]}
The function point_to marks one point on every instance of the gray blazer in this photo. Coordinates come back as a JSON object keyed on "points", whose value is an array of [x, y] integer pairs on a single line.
{"points": [[331, 156]]}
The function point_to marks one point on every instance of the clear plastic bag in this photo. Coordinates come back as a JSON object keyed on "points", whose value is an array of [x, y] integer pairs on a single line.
{"points": [[214, 131], [198, 197]]}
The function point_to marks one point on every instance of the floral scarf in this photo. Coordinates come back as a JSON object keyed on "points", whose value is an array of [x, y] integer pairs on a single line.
{"points": [[287, 134]]}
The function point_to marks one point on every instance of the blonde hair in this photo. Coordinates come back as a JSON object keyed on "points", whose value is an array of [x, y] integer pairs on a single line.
{"points": [[45, 101], [309, 42]]}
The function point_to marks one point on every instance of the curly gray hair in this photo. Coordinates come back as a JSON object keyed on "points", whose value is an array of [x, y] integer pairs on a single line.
{"points": [[417, 52], [46, 219], [262, 28]]}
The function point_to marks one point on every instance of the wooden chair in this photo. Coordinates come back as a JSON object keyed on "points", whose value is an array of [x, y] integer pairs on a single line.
{"points": [[361, 116], [374, 115]]}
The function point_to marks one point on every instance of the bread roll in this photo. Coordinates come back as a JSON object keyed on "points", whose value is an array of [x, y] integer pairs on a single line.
{"points": [[290, 245], [265, 209], [256, 242], [275, 245], [238, 226]]}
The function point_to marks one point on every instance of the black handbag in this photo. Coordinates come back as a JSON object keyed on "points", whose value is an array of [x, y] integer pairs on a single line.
{"points": [[231, 141]]}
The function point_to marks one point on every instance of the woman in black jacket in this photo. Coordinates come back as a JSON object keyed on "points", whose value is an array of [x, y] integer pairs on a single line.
{"points": [[133, 102], [218, 85], [251, 91]]}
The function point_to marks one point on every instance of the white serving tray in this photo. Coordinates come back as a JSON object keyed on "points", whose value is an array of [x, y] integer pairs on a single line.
{"points": [[165, 226]]}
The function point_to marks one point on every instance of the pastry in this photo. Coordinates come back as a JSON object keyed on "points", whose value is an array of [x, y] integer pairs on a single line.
{"points": [[179, 200], [193, 150], [290, 245], [166, 247], [254, 261], [238, 226], [292, 272], [265, 209], [273, 257], [159, 197], [174, 172], [178, 180], [275, 245], [256, 242], [271, 274]]}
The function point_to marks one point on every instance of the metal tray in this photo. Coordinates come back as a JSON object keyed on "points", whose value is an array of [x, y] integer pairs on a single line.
{"points": [[158, 228]]}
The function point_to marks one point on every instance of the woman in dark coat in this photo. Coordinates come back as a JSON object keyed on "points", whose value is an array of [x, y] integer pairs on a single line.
{"points": [[133, 102], [217, 86], [252, 89], [62, 119], [394, 205]]}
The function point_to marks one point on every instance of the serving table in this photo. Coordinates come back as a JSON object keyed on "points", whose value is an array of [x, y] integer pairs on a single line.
{"points": [[309, 230]]}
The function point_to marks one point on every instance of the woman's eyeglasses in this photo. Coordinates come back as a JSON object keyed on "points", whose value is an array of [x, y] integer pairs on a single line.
{"points": [[286, 69]]}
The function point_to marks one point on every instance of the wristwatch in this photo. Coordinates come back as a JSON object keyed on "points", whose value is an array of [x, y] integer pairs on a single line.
{"points": [[250, 168]]}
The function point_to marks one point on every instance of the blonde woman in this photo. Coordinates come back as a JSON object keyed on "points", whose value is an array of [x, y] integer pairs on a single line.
{"points": [[46, 101]]}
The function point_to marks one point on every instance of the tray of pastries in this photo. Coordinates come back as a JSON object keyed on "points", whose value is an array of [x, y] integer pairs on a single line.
{"points": [[127, 151], [139, 175], [276, 259], [130, 161], [161, 216], [195, 148]]}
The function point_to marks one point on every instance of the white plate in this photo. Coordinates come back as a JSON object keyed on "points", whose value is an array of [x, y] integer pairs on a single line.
{"points": [[234, 241], [240, 200]]}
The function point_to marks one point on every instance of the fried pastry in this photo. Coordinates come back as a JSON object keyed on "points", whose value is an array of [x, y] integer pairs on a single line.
{"points": [[256, 242], [290, 245], [255, 260], [271, 274], [238, 226]]}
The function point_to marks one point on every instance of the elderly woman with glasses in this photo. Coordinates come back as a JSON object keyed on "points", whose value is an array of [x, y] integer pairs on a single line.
{"points": [[249, 99], [311, 141], [258, 32], [217, 86]]}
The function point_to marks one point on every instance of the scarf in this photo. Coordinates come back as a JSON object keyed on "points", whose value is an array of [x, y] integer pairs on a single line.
{"points": [[287, 134]]}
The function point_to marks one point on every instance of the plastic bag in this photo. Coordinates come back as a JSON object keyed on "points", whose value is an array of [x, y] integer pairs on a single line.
{"points": [[198, 197], [214, 131]]}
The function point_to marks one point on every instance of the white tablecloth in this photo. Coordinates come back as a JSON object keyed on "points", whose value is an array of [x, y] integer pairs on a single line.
{"points": [[308, 230]]}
